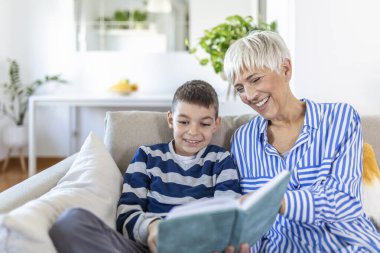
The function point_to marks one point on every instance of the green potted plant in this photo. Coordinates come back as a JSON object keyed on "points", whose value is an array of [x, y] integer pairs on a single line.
{"points": [[124, 19], [121, 17], [216, 40], [140, 18], [15, 96]]}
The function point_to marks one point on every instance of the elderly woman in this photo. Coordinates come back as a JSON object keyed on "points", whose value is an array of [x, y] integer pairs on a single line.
{"points": [[321, 143]]}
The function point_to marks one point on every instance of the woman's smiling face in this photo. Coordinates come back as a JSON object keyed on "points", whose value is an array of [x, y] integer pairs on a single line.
{"points": [[264, 90]]}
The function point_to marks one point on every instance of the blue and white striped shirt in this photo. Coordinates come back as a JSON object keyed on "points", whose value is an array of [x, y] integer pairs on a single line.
{"points": [[156, 181], [323, 202]]}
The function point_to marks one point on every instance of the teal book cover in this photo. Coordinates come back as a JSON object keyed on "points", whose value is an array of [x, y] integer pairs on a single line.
{"points": [[212, 224]]}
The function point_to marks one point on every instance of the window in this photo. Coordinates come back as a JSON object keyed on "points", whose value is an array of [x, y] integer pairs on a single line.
{"points": [[122, 25]]}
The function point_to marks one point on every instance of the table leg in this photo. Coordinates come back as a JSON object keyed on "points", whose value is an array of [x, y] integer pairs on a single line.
{"points": [[74, 129], [6, 161], [31, 139]]}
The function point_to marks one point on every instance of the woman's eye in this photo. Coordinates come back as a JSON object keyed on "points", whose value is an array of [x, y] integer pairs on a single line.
{"points": [[255, 80], [239, 89]]}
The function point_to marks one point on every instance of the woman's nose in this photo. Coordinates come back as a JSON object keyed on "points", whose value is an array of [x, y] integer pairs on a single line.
{"points": [[250, 93]]}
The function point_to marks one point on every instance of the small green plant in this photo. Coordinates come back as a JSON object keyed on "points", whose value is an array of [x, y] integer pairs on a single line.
{"points": [[15, 96], [123, 19], [140, 16], [217, 40], [121, 16]]}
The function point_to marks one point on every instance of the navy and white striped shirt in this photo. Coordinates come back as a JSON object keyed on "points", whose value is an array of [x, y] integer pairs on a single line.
{"points": [[323, 202], [156, 181]]}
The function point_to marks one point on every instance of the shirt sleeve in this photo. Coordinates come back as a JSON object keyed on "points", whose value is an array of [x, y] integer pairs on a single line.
{"points": [[335, 196], [227, 178], [132, 219]]}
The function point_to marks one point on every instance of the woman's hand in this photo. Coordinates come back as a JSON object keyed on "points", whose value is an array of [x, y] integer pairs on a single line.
{"points": [[244, 248], [152, 235], [282, 207]]}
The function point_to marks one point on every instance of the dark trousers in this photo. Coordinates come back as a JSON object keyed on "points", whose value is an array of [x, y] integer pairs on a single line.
{"points": [[79, 231]]}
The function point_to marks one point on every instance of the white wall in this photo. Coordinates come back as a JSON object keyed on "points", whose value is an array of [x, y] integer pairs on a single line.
{"points": [[335, 49], [38, 34], [206, 14], [282, 12], [337, 52], [4, 44], [41, 39]]}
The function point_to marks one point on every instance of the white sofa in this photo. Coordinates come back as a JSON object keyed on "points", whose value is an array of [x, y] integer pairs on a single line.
{"points": [[127, 130]]}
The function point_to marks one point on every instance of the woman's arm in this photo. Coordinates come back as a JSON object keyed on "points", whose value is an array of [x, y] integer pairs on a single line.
{"points": [[335, 196]]}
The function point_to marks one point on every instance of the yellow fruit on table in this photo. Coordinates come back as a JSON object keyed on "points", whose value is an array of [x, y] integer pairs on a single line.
{"points": [[134, 87], [124, 87]]}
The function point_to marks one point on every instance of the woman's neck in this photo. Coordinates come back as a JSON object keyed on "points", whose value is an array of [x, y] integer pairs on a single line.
{"points": [[292, 112]]}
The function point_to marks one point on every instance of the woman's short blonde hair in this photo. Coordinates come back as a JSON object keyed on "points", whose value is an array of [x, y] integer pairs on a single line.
{"points": [[258, 50]]}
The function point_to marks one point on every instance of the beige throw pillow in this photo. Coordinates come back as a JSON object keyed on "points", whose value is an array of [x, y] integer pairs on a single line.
{"points": [[93, 182]]}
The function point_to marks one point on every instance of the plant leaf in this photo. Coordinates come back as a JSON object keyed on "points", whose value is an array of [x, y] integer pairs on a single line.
{"points": [[216, 40]]}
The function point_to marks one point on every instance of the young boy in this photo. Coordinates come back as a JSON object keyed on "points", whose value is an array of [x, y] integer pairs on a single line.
{"points": [[165, 175]]}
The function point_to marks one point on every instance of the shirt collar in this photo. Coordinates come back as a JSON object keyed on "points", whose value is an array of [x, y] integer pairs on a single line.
{"points": [[312, 116], [263, 125]]}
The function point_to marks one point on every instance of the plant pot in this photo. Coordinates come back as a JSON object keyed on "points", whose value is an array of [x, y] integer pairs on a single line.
{"points": [[15, 136]]}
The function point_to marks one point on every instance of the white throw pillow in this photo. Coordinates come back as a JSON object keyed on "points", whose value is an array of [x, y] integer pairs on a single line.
{"points": [[93, 182]]}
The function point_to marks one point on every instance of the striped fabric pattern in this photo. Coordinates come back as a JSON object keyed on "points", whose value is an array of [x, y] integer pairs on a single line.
{"points": [[156, 181], [323, 202]]}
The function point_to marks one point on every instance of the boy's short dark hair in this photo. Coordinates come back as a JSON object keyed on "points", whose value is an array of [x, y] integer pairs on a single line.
{"points": [[196, 92]]}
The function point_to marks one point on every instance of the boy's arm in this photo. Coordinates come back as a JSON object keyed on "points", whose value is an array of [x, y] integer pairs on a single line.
{"points": [[132, 219], [227, 177]]}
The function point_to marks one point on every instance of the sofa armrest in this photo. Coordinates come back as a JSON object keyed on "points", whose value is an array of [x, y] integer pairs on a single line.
{"points": [[34, 186]]}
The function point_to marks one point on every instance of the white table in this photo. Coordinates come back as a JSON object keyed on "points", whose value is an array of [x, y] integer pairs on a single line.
{"points": [[74, 101]]}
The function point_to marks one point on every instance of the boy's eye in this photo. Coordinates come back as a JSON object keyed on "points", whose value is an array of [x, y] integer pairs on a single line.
{"points": [[205, 124], [182, 122]]}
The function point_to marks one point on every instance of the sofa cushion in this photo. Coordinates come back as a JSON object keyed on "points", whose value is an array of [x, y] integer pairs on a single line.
{"points": [[93, 182], [371, 185], [147, 128], [34, 186], [371, 132]]}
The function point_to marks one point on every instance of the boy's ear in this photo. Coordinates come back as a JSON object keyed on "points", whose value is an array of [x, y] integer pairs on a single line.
{"points": [[169, 117], [218, 122]]}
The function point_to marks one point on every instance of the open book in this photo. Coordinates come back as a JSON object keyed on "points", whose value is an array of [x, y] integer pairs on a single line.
{"points": [[212, 224]]}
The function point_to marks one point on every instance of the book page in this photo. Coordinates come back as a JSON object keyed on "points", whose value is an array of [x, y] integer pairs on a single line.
{"points": [[204, 206]]}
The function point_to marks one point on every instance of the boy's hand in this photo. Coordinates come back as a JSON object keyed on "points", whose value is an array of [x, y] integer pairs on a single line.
{"points": [[152, 235], [243, 197]]}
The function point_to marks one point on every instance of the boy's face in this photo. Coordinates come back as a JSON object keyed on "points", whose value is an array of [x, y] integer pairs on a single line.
{"points": [[193, 126]]}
